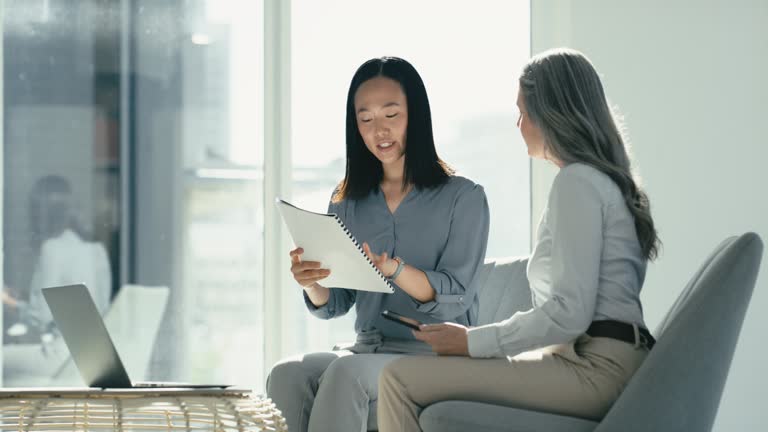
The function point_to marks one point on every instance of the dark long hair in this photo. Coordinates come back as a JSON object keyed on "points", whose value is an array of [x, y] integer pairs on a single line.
{"points": [[564, 97], [51, 210], [423, 168]]}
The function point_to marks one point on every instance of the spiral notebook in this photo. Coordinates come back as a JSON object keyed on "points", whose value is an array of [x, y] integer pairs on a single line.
{"points": [[324, 238]]}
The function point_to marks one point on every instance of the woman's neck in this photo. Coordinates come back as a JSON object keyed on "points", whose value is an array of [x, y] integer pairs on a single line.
{"points": [[394, 173], [553, 160]]}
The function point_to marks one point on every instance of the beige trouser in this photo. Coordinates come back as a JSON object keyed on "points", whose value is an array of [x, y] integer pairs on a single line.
{"points": [[580, 379]]}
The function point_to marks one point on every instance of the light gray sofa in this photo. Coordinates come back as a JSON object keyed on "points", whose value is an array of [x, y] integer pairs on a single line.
{"points": [[679, 385]]}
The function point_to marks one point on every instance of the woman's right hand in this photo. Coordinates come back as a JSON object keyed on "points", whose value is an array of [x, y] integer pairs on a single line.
{"points": [[8, 299], [307, 273]]}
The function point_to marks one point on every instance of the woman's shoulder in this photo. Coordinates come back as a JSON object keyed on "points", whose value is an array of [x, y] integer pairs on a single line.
{"points": [[68, 247], [97, 249], [457, 190], [588, 178], [461, 184], [338, 206], [586, 173], [582, 170], [64, 241]]}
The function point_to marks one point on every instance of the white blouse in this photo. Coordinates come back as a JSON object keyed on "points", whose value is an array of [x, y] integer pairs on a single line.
{"points": [[66, 260], [587, 265]]}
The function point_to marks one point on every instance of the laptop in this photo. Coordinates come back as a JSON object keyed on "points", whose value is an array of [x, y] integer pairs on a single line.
{"points": [[90, 344]]}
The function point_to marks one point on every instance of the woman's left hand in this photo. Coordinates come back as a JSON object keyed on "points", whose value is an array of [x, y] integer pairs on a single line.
{"points": [[386, 266], [445, 339]]}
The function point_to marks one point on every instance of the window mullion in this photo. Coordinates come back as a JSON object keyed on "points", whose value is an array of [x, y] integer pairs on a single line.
{"points": [[277, 159]]}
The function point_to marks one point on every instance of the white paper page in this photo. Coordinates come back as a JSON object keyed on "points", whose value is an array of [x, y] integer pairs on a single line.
{"points": [[324, 239]]}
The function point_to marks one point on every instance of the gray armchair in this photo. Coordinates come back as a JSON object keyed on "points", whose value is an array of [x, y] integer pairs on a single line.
{"points": [[679, 385]]}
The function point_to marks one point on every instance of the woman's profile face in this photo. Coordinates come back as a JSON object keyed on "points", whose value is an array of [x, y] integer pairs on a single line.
{"points": [[532, 135], [382, 118]]}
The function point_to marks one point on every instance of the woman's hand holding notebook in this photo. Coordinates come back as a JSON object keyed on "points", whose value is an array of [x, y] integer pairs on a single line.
{"points": [[325, 239]]}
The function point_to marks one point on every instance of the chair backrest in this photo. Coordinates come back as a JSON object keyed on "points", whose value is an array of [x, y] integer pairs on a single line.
{"points": [[693, 283], [679, 386], [505, 290]]}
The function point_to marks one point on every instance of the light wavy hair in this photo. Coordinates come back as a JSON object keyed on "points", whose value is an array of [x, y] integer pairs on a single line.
{"points": [[564, 98]]}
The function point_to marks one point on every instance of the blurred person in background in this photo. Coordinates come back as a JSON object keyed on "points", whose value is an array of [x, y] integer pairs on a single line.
{"points": [[65, 256]]}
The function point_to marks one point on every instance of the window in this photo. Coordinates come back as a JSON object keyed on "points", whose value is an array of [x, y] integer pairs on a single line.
{"points": [[61, 171], [469, 57], [134, 153], [137, 123]]}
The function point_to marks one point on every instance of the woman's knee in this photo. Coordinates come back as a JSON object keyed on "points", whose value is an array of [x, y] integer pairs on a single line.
{"points": [[345, 370], [354, 373], [286, 373], [298, 371], [389, 378]]}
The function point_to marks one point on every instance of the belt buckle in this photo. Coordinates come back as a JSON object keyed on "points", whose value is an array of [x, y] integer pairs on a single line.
{"points": [[640, 340], [645, 342]]}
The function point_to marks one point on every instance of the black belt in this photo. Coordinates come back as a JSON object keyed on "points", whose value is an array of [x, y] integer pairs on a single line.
{"points": [[623, 332]]}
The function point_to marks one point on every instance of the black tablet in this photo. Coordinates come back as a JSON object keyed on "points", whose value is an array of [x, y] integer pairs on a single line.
{"points": [[408, 322]]}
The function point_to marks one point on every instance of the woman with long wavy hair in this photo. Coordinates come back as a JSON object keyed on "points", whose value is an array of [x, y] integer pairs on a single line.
{"points": [[575, 350]]}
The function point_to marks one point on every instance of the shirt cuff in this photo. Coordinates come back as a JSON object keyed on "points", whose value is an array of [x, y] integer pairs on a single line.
{"points": [[483, 342], [438, 280], [430, 306]]}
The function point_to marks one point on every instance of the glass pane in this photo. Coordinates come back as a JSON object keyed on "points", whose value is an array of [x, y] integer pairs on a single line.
{"points": [[469, 57], [199, 176], [62, 171], [161, 100]]}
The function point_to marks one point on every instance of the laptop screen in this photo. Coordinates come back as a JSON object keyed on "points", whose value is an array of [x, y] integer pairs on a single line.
{"points": [[87, 338]]}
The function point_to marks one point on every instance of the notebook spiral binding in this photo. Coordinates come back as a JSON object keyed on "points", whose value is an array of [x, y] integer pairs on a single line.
{"points": [[360, 248]]}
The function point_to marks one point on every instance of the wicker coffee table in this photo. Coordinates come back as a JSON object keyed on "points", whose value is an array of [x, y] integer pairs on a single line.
{"points": [[67, 409]]}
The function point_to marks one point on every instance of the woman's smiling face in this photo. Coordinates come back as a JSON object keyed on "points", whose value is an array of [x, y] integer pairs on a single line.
{"points": [[382, 118]]}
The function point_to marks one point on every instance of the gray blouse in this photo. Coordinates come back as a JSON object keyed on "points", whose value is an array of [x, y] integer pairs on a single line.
{"points": [[587, 265], [442, 231]]}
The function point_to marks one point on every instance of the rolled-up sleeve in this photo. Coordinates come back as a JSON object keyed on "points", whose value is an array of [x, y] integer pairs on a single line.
{"points": [[460, 261], [339, 303], [563, 310]]}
